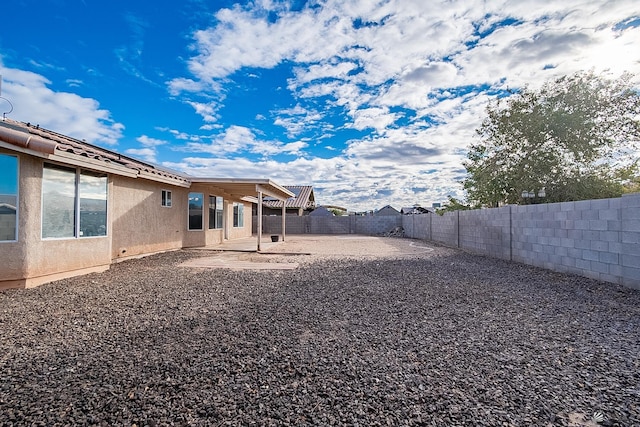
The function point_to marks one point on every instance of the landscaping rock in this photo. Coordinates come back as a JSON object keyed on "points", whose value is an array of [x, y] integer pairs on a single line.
{"points": [[435, 338]]}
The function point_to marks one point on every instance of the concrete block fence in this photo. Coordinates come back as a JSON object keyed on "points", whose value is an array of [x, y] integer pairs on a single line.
{"points": [[599, 239], [368, 225]]}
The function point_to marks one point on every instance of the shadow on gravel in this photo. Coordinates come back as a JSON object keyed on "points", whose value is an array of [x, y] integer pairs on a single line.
{"points": [[440, 338]]}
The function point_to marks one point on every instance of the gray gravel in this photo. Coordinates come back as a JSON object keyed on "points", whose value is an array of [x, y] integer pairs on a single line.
{"points": [[441, 338]]}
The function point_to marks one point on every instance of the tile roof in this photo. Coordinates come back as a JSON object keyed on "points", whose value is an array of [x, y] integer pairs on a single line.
{"points": [[304, 198], [67, 150], [50, 142]]}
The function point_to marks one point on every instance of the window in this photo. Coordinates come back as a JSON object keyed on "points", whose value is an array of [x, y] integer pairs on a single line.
{"points": [[238, 215], [215, 212], [92, 194], [166, 198], [8, 197], [74, 203], [195, 211]]}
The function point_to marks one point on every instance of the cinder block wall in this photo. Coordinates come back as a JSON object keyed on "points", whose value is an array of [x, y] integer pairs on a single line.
{"points": [[486, 231], [599, 239], [329, 225], [417, 226], [574, 237], [273, 224], [370, 225], [376, 224], [630, 240], [444, 229]]}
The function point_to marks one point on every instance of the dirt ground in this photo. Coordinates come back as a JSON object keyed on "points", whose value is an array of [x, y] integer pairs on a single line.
{"points": [[302, 249]]}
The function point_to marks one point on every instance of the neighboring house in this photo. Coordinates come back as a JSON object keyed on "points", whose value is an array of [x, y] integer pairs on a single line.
{"points": [[321, 211], [302, 202], [415, 210], [386, 211], [69, 208]]}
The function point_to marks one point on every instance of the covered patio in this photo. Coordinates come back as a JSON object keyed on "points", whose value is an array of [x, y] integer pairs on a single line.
{"points": [[248, 190]]}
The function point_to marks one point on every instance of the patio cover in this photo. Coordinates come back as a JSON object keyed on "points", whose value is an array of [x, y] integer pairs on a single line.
{"points": [[251, 190]]}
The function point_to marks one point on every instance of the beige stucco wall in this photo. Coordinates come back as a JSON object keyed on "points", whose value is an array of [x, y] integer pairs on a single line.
{"points": [[140, 225], [13, 254], [139, 222], [137, 225], [32, 259], [206, 237], [239, 232]]}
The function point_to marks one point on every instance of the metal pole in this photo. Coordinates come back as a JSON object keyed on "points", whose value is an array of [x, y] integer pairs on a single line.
{"points": [[284, 216], [259, 220]]}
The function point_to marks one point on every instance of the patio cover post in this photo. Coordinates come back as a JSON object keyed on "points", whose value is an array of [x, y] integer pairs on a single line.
{"points": [[284, 215], [259, 219]]}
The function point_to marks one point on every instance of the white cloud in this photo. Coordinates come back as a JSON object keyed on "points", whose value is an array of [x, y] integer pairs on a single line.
{"points": [[148, 154], [436, 61], [296, 120], [208, 111], [237, 140], [150, 142], [326, 70], [62, 112], [375, 118], [266, 148], [74, 82], [180, 85]]}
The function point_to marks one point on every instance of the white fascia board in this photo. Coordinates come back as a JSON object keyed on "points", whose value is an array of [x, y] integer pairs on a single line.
{"points": [[164, 179]]}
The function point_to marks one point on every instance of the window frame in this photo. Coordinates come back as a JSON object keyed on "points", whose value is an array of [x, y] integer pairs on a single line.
{"points": [[238, 215], [166, 199], [189, 211], [17, 198], [77, 201], [216, 222]]}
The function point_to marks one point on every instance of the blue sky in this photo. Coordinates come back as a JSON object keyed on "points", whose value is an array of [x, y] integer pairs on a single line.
{"points": [[373, 102]]}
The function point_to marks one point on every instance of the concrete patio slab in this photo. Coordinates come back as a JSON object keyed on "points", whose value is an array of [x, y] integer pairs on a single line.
{"points": [[242, 254]]}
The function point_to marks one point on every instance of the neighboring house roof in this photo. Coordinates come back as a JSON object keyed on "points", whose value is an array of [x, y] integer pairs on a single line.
{"points": [[386, 211], [321, 211], [6, 208], [34, 140], [303, 198], [414, 210]]}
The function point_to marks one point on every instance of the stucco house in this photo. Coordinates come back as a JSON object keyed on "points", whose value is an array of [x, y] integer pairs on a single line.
{"points": [[68, 207]]}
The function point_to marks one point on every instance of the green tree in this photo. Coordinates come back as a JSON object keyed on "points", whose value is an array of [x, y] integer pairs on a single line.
{"points": [[452, 205], [576, 138]]}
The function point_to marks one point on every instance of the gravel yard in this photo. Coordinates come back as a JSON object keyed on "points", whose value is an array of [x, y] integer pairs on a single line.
{"points": [[385, 332]]}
